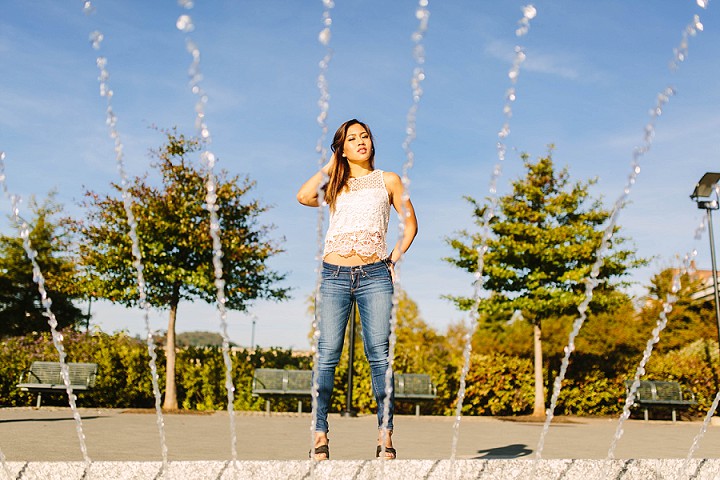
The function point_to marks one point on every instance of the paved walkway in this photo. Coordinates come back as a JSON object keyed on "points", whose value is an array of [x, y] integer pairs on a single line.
{"points": [[49, 434]]}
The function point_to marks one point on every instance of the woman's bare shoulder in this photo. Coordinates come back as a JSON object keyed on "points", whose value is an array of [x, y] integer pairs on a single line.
{"points": [[391, 178]]}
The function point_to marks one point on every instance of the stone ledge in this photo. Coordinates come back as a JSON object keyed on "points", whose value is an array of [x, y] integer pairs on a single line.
{"points": [[567, 469]]}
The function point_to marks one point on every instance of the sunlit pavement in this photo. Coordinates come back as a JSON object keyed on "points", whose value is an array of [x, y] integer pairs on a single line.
{"points": [[50, 434]]}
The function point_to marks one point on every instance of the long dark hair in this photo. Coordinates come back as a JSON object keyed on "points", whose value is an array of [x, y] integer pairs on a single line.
{"points": [[340, 171]]}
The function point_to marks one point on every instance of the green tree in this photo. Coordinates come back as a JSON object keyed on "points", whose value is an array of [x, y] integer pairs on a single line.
{"points": [[542, 245], [690, 319], [418, 348], [173, 227], [21, 309]]}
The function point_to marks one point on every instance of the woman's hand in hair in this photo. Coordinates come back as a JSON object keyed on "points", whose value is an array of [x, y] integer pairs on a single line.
{"points": [[308, 193], [328, 166]]}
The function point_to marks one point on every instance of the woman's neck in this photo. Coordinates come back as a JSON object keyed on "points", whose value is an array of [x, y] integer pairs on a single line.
{"points": [[359, 169]]}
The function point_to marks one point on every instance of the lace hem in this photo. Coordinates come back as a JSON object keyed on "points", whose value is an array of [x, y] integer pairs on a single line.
{"points": [[364, 244]]}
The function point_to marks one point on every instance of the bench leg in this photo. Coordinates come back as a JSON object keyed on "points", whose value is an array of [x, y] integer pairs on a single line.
{"points": [[417, 409], [299, 406], [673, 415], [267, 407], [646, 414], [39, 400]]}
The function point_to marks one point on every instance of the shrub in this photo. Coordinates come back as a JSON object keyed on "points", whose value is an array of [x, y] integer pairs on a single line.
{"points": [[593, 394], [694, 367], [499, 384]]}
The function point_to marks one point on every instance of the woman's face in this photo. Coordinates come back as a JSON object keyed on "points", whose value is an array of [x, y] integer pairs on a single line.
{"points": [[357, 146]]}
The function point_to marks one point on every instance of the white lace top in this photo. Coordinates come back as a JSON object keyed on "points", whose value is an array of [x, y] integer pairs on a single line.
{"points": [[359, 222]]}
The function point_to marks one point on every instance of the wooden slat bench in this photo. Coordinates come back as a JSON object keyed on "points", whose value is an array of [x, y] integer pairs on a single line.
{"points": [[658, 394], [45, 377], [416, 387], [270, 382]]}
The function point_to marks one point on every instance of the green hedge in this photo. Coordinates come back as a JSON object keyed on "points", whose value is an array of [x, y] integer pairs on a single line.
{"points": [[496, 384], [124, 380]]}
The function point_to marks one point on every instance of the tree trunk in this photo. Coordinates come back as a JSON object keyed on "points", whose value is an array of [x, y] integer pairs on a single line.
{"points": [[171, 402], [539, 409]]}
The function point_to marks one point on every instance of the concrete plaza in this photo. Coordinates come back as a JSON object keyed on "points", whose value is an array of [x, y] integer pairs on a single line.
{"points": [[49, 434], [115, 435]]}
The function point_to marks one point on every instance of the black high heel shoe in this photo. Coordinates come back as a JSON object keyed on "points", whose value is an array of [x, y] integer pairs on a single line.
{"points": [[321, 450], [389, 450]]}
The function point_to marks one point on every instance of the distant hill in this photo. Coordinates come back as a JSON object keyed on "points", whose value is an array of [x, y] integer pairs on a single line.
{"points": [[199, 339]]}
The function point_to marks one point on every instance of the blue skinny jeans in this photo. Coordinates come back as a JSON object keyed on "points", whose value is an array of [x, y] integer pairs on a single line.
{"points": [[372, 288]]}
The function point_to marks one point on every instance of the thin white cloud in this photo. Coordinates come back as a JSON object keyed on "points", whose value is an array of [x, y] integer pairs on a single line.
{"points": [[560, 66]]}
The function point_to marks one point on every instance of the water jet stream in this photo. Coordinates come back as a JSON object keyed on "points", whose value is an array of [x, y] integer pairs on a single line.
{"points": [[185, 24], [96, 37], [591, 281], [423, 15], [324, 104], [529, 12], [23, 229]]}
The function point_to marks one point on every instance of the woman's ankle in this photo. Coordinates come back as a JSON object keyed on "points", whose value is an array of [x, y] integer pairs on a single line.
{"points": [[321, 438], [385, 436]]}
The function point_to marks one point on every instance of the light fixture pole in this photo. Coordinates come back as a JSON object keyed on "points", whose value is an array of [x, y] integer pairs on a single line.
{"points": [[349, 412], [89, 314], [252, 335], [705, 188]]}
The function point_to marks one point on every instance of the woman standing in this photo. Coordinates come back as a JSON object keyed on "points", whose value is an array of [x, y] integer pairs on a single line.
{"points": [[356, 266]]}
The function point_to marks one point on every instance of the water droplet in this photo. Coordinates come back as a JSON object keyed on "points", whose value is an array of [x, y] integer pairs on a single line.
{"points": [[209, 159], [186, 4], [324, 36], [88, 7], [184, 23], [529, 11], [95, 38], [702, 3], [698, 24]]}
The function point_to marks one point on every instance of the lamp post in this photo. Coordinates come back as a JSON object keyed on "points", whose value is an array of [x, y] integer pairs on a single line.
{"points": [[705, 188], [349, 412], [89, 314], [252, 335]]}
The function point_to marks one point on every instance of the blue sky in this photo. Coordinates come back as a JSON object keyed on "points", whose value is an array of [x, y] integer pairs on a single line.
{"points": [[593, 72]]}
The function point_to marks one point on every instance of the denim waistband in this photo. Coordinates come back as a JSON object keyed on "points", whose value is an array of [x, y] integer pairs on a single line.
{"points": [[368, 267]]}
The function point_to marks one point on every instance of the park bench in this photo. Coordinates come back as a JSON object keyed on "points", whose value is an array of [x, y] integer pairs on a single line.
{"points": [[657, 394], [45, 377], [414, 387], [271, 382]]}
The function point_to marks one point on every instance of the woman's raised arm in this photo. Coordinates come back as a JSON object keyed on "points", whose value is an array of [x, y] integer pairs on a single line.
{"points": [[308, 193]]}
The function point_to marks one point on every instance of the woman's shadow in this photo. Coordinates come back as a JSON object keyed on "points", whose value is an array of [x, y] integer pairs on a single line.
{"points": [[515, 450]]}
